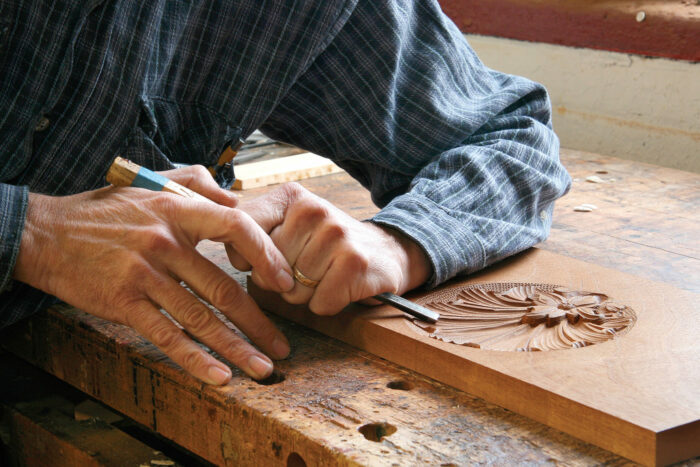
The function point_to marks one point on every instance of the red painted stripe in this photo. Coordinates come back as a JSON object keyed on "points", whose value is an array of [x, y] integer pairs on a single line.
{"points": [[670, 29]]}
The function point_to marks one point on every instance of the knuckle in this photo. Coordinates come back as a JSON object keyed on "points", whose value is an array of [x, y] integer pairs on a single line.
{"points": [[135, 269], [233, 219], [333, 232], [159, 240], [224, 293], [310, 212], [291, 190], [238, 351], [199, 172], [166, 203], [164, 336], [195, 317], [193, 359], [356, 263]]}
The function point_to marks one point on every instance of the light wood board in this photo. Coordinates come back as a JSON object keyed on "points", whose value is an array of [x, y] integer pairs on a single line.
{"points": [[284, 169], [637, 395]]}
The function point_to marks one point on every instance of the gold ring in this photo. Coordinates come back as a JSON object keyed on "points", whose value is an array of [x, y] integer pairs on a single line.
{"points": [[303, 280]]}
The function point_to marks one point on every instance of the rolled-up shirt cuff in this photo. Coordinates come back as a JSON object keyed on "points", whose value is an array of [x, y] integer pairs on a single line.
{"points": [[13, 207], [447, 240]]}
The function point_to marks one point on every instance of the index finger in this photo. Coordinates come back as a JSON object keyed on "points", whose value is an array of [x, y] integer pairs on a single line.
{"points": [[218, 223]]}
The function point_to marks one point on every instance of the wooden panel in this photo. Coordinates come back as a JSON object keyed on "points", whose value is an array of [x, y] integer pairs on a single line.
{"points": [[285, 169], [637, 395]]}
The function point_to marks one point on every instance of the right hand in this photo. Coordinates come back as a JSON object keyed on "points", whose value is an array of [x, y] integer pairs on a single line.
{"points": [[119, 253]]}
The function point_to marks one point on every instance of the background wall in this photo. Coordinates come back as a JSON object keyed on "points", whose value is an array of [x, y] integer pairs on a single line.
{"points": [[621, 104]]}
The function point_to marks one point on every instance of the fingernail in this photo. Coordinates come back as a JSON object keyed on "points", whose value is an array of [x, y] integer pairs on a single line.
{"points": [[280, 347], [285, 281], [261, 368], [218, 375]]}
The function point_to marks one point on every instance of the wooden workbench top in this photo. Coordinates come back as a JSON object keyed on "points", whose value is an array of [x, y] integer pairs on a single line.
{"points": [[334, 400]]}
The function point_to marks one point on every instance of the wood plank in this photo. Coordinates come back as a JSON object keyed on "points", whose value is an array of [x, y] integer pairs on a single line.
{"points": [[609, 394], [284, 169]]}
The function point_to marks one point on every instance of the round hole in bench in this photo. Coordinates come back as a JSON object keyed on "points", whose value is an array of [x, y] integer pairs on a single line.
{"points": [[275, 378], [295, 460], [376, 431], [400, 385]]}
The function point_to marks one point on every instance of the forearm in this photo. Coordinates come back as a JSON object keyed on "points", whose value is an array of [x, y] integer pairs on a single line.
{"points": [[496, 201], [461, 158]]}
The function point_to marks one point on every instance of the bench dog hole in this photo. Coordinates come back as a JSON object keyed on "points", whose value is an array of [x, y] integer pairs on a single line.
{"points": [[376, 431], [275, 378], [400, 385], [295, 460]]}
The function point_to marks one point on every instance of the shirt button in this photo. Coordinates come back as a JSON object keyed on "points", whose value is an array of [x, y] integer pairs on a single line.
{"points": [[43, 124]]}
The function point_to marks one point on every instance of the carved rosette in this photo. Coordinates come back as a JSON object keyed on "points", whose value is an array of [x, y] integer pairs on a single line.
{"points": [[525, 317]]}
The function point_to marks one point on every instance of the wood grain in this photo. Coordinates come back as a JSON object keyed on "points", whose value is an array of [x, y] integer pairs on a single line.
{"points": [[620, 395]]}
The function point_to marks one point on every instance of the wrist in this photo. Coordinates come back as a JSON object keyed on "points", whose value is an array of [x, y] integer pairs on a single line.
{"points": [[27, 268], [415, 265]]}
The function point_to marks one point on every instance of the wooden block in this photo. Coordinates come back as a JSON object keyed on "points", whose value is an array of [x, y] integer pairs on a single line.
{"points": [[637, 395], [284, 169]]}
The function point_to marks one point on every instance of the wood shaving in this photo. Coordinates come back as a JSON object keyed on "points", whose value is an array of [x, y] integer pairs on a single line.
{"points": [[595, 179]]}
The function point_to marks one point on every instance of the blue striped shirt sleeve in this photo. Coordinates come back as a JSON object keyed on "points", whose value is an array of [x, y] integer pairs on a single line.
{"points": [[13, 205], [461, 158]]}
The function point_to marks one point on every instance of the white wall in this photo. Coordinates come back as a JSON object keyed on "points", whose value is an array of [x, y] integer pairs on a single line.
{"points": [[634, 107]]}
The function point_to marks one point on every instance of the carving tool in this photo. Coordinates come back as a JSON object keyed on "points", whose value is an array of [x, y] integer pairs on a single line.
{"points": [[407, 306], [222, 171], [126, 173]]}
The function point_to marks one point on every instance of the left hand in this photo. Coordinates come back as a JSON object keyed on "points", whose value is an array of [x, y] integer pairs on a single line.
{"points": [[351, 260]]}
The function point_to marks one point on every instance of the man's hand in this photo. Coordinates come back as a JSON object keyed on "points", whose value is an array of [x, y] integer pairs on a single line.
{"points": [[352, 260], [120, 253]]}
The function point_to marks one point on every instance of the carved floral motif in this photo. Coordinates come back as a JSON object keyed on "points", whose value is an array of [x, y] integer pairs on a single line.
{"points": [[526, 317]]}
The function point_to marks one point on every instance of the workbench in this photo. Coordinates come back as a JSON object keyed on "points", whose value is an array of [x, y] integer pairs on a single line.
{"points": [[329, 404]]}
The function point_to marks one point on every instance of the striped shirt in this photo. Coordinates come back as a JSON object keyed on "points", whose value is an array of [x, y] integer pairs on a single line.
{"points": [[459, 157]]}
